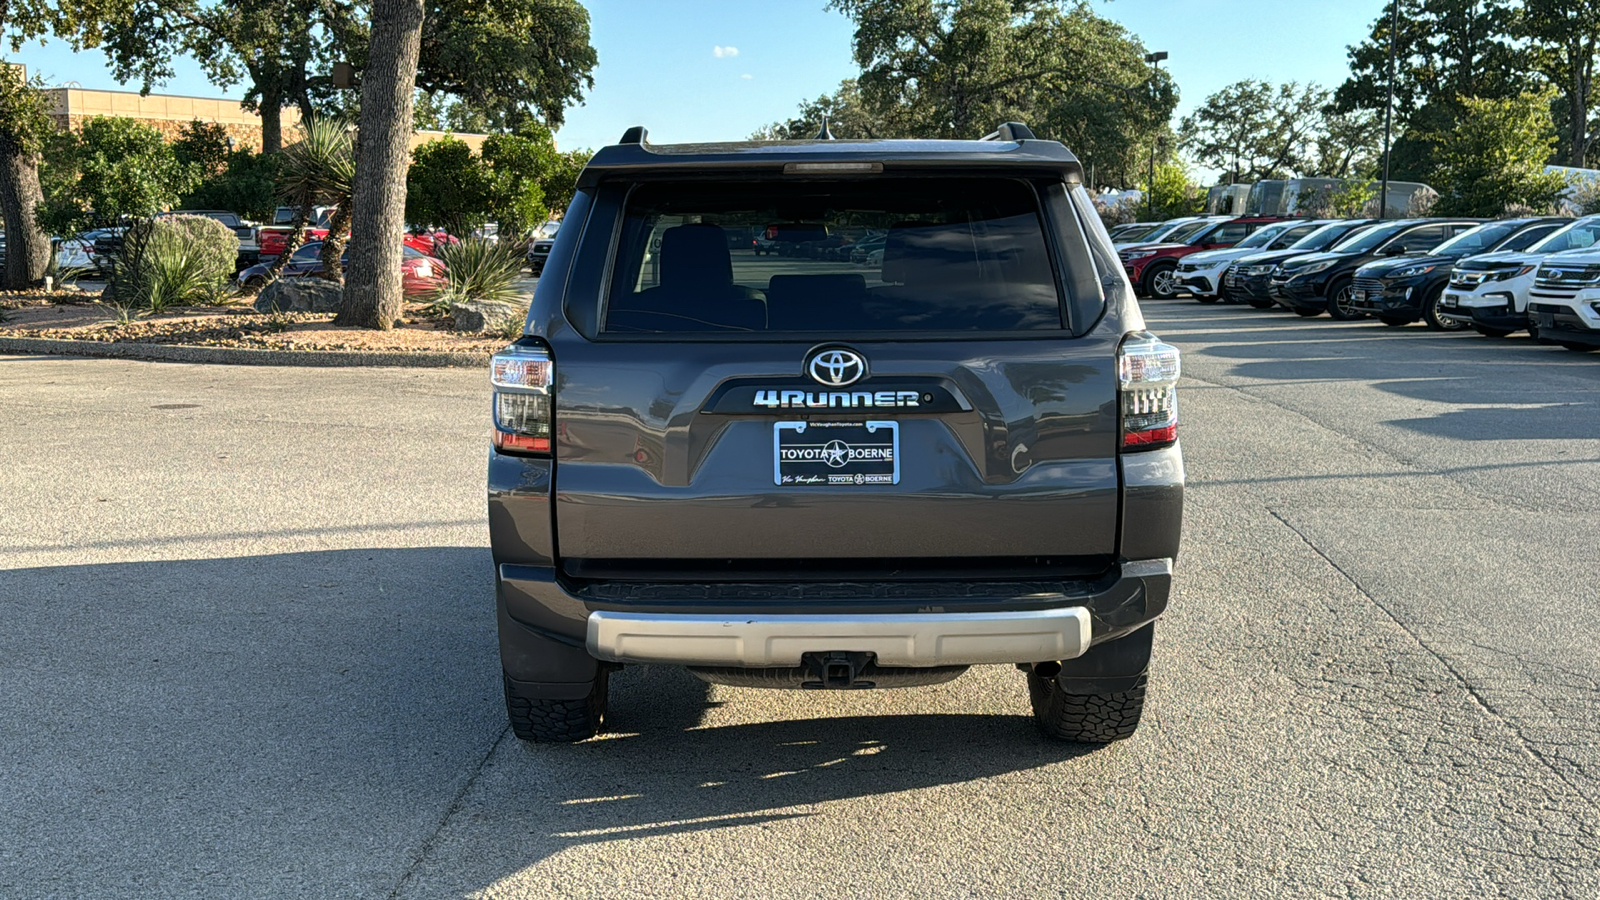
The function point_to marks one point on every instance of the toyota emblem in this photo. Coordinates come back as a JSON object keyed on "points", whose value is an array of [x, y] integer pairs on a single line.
{"points": [[836, 368]]}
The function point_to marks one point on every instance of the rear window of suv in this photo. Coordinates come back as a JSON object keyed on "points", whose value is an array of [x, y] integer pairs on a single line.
{"points": [[946, 255]]}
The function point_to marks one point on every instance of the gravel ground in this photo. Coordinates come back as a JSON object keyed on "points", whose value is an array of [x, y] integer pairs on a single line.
{"points": [[249, 652]]}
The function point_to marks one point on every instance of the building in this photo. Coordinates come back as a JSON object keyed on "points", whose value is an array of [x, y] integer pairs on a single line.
{"points": [[169, 113]]}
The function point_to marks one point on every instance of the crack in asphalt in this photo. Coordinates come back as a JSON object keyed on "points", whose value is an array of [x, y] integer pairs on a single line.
{"points": [[456, 804]]}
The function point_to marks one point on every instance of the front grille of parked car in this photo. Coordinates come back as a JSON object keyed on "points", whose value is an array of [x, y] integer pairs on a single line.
{"points": [[1370, 285], [1564, 282]]}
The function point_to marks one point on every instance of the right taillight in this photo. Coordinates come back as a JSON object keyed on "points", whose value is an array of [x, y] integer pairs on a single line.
{"points": [[523, 411], [1147, 385]]}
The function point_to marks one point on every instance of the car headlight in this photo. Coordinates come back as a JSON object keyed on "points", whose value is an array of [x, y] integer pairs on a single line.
{"points": [[1260, 270], [1413, 271], [1313, 268]]}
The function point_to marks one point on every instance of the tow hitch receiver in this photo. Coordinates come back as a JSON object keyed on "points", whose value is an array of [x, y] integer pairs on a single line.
{"points": [[837, 670]]}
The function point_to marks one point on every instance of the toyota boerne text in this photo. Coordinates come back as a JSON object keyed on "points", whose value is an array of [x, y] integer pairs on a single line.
{"points": [[819, 472]]}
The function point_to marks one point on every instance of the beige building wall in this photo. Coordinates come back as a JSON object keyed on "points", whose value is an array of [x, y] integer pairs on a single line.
{"points": [[169, 114]]}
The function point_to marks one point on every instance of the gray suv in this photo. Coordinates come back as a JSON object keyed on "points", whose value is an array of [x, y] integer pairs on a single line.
{"points": [[784, 472]]}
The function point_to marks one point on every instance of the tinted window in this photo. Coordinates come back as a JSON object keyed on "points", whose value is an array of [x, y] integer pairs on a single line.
{"points": [[1577, 236], [1422, 239], [1369, 239], [1261, 238], [1325, 237], [1229, 233], [1528, 237], [1183, 234], [957, 255], [1477, 240], [307, 252]]}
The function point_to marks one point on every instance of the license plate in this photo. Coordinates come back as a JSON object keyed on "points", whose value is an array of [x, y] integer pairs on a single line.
{"points": [[835, 453], [1358, 296], [1450, 299]]}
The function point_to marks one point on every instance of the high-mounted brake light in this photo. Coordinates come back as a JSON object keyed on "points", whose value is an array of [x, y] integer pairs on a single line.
{"points": [[522, 377], [1147, 383]]}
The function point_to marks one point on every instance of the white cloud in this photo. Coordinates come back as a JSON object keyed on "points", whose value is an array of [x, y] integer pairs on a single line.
{"points": [[747, 76], [721, 52]]}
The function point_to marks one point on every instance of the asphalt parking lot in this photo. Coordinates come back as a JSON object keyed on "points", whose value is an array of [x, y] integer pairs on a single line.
{"points": [[248, 651]]}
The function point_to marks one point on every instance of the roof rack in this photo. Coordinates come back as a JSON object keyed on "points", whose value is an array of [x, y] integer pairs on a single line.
{"points": [[634, 135], [1010, 131]]}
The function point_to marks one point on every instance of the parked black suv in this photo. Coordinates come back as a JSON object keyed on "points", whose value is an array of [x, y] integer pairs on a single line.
{"points": [[1249, 279], [1320, 282], [1401, 291], [825, 476]]}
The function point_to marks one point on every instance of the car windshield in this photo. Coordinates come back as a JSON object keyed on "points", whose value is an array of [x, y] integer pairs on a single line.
{"points": [[1372, 237], [1265, 236], [1159, 233], [1136, 232], [1477, 240], [1577, 236], [958, 255], [1325, 237], [1187, 233], [307, 252], [410, 252]]}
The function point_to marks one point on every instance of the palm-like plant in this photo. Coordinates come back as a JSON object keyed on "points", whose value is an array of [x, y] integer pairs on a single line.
{"points": [[319, 170]]}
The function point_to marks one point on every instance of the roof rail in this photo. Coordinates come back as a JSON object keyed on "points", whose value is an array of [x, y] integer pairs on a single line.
{"points": [[634, 135], [1010, 131]]}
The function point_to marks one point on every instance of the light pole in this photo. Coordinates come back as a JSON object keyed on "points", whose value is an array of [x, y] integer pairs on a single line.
{"points": [[1154, 59], [1388, 112]]}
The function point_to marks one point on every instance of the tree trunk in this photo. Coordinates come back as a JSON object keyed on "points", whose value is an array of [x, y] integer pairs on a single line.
{"points": [[291, 243], [333, 245], [1579, 101], [27, 246], [372, 291], [271, 122]]}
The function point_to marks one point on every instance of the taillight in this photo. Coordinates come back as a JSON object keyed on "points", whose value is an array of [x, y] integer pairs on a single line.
{"points": [[522, 377], [1147, 382]]}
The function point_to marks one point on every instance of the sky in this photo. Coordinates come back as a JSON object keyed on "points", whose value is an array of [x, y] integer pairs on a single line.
{"points": [[712, 70]]}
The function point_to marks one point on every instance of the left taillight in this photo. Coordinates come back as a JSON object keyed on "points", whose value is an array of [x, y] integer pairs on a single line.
{"points": [[523, 406]]}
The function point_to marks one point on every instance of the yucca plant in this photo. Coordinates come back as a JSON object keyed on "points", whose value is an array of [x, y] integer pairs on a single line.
{"points": [[476, 270], [318, 170]]}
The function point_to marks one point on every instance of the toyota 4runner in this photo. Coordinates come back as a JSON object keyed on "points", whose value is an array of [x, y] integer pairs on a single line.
{"points": [[791, 473]]}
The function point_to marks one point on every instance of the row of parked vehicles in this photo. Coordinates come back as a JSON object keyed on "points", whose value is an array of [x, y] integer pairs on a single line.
{"points": [[1537, 274]]}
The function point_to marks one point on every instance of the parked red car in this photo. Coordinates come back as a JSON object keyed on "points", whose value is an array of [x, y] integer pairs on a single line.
{"points": [[1151, 267], [419, 273]]}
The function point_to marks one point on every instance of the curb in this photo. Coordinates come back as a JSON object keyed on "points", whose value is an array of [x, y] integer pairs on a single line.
{"points": [[238, 356]]}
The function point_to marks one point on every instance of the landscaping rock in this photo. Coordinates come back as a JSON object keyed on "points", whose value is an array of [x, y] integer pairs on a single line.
{"points": [[485, 316], [315, 295]]}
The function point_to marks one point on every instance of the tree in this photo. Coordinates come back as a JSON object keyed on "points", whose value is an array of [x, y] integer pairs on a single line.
{"points": [[247, 185], [516, 167], [1346, 145], [958, 68], [561, 183], [1256, 131], [1494, 158], [24, 125], [1565, 35], [506, 58], [372, 294], [109, 170], [446, 186], [846, 112], [1173, 194], [319, 170]]}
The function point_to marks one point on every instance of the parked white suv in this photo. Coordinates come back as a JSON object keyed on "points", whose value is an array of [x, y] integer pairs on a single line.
{"points": [[1200, 274], [1564, 304], [1491, 291]]}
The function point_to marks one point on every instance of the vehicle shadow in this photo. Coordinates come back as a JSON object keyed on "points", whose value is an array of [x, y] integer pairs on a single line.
{"points": [[335, 711]]}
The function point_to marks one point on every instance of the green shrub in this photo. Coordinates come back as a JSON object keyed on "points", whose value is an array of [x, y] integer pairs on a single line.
{"points": [[174, 261], [477, 270]]}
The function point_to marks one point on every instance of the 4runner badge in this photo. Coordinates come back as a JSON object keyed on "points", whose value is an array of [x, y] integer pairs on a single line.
{"points": [[834, 367]]}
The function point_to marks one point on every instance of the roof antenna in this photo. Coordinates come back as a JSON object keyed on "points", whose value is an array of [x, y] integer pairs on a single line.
{"points": [[824, 134]]}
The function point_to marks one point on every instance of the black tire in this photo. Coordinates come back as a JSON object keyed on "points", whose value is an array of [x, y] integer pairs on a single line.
{"points": [[1430, 313], [1260, 302], [1576, 347], [1339, 302], [1394, 321], [1486, 331], [1087, 718], [1306, 313], [1158, 281], [542, 721]]}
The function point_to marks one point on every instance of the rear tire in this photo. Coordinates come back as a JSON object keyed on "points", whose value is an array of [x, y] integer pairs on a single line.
{"points": [[542, 721], [1486, 331], [1394, 321], [1339, 302], [1087, 718]]}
